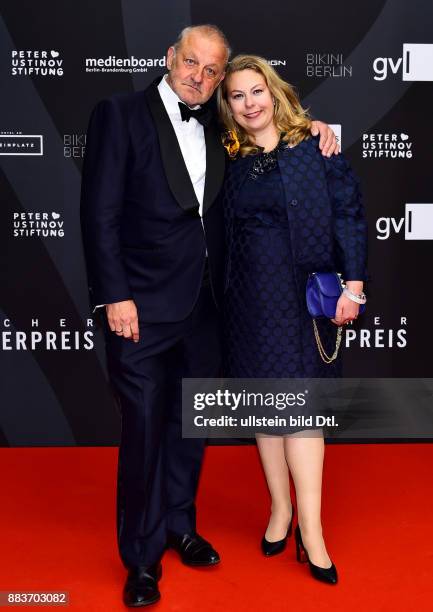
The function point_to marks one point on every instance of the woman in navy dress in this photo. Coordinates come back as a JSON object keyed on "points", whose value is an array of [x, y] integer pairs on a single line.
{"points": [[288, 211]]}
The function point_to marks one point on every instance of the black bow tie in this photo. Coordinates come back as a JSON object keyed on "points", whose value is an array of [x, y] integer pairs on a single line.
{"points": [[202, 114]]}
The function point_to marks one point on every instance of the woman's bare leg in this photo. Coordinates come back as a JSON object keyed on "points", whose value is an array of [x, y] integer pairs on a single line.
{"points": [[274, 463], [304, 456]]}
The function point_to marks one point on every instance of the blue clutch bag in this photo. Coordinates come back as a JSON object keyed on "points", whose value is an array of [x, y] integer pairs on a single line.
{"points": [[322, 293]]}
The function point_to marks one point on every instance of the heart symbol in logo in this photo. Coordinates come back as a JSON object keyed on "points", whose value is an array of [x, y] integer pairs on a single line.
{"points": [[55, 54], [55, 215], [404, 136]]}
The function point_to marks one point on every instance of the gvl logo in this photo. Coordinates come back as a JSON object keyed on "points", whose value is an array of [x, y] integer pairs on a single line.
{"points": [[417, 223], [416, 64]]}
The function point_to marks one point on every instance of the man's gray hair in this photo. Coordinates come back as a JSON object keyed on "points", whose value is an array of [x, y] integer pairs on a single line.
{"points": [[207, 29]]}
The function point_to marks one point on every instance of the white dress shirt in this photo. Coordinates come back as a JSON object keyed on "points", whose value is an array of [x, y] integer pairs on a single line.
{"points": [[190, 136]]}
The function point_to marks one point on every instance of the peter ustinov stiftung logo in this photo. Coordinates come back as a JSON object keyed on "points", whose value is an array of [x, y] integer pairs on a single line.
{"points": [[415, 64], [38, 225], [21, 144], [417, 224], [36, 63], [392, 145], [123, 64]]}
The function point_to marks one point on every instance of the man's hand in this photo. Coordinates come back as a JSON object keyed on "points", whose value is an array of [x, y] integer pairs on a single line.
{"points": [[328, 142], [123, 319]]}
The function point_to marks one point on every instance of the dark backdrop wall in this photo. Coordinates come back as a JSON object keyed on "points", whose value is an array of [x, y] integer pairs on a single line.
{"points": [[364, 67]]}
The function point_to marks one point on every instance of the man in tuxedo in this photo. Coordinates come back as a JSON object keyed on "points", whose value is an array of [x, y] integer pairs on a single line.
{"points": [[153, 240]]}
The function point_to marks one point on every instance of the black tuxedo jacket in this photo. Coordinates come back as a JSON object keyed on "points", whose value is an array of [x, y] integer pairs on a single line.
{"points": [[142, 233]]}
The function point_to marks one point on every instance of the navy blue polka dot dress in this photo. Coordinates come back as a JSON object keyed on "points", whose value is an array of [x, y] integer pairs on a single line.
{"points": [[268, 331]]}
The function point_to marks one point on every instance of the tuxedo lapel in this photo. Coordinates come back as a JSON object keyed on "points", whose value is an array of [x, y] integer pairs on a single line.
{"points": [[215, 164], [175, 168]]}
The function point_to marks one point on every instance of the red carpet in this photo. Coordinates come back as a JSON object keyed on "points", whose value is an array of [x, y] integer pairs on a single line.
{"points": [[58, 532]]}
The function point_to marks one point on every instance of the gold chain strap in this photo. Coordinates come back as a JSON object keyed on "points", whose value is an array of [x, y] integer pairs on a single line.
{"points": [[326, 358]]}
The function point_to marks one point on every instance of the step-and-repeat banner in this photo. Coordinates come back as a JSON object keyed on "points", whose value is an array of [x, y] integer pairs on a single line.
{"points": [[366, 68]]}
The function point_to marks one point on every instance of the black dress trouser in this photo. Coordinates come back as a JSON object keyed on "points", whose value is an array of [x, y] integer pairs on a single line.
{"points": [[158, 471]]}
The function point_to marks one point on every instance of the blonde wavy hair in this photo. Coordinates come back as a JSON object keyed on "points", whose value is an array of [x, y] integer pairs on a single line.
{"points": [[291, 119]]}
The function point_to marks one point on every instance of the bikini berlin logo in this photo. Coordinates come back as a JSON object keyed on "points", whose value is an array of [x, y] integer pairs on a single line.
{"points": [[38, 225], [37, 63], [74, 145], [327, 65], [395, 145]]}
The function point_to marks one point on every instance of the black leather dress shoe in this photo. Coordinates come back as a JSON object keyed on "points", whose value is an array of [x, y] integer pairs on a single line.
{"points": [[193, 549], [141, 587]]}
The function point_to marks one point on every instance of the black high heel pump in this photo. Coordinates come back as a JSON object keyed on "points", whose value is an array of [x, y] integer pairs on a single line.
{"points": [[324, 574], [274, 548]]}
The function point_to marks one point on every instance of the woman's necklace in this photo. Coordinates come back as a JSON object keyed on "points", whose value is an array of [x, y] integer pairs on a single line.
{"points": [[265, 161]]}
